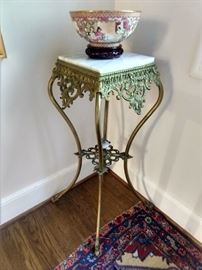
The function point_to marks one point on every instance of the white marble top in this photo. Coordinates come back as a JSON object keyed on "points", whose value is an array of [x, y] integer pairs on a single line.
{"points": [[124, 62]]}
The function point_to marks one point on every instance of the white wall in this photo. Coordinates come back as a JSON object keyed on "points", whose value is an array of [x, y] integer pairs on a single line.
{"points": [[36, 144], [37, 147], [167, 162]]}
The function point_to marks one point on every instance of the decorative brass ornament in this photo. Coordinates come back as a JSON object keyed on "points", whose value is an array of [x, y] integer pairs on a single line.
{"points": [[131, 85], [73, 83], [110, 155]]}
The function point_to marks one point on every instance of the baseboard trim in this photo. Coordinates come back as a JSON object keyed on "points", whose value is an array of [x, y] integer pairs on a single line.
{"points": [[126, 184], [174, 217], [13, 206]]}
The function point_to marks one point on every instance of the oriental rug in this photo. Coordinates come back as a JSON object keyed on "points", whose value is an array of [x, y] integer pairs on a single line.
{"points": [[138, 239]]}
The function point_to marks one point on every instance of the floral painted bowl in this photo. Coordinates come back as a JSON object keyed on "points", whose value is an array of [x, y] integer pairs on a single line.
{"points": [[105, 30]]}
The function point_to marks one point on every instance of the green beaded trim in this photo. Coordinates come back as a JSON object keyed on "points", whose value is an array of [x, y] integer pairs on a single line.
{"points": [[131, 84]]}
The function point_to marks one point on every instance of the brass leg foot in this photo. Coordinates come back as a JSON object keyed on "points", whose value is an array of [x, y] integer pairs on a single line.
{"points": [[57, 196], [149, 205], [97, 247]]}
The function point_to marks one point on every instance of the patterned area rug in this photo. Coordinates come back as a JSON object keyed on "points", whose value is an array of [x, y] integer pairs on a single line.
{"points": [[139, 239]]}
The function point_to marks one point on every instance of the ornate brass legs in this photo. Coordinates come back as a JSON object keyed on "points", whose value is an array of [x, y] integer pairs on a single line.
{"points": [[69, 123], [98, 132], [103, 154], [134, 133], [101, 166], [97, 238], [106, 110]]}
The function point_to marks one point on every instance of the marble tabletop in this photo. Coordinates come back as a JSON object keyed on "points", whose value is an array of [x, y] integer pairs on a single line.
{"points": [[126, 61]]}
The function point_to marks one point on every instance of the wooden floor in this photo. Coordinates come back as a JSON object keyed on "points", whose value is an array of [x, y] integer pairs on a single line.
{"points": [[44, 237]]}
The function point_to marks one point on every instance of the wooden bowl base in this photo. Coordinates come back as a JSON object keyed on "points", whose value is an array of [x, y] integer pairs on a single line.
{"points": [[104, 52]]}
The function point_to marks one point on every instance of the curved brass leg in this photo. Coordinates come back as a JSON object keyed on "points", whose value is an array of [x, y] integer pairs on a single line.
{"points": [[106, 110], [69, 123], [101, 166], [98, 131], [134, 133]]}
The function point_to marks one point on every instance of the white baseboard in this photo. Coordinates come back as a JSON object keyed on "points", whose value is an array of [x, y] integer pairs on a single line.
{"points": [[30, 196], [182, 215]]}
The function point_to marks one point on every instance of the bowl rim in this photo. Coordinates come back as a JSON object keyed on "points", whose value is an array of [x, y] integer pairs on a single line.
{"points": [[101, 13]]}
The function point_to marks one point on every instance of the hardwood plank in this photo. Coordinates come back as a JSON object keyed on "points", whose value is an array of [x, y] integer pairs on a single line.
{"points": [[18, 249], [47, 235]]}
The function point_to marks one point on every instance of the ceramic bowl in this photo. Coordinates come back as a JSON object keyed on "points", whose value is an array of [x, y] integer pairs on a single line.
{"points": [[105, 28]]}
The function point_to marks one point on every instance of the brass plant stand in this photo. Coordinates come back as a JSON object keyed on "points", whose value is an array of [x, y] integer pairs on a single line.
{"points": [[128, 77]]}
